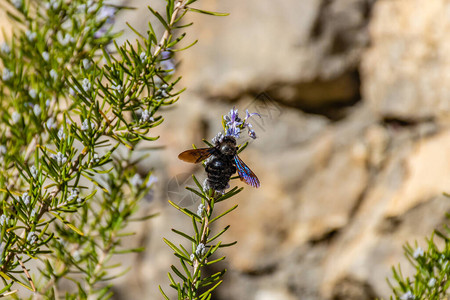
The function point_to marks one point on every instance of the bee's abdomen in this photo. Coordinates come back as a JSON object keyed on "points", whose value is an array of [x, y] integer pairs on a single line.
{"points": [[219, 170]]}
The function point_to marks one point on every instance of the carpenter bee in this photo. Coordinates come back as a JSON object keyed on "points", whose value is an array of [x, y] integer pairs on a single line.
{"points": [[222, 161]]}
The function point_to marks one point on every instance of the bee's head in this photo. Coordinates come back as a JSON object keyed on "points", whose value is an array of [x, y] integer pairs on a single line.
{"points": [[228, 146]]}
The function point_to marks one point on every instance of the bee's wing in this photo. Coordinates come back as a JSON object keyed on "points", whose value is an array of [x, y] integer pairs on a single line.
{"points": [[195, 155], [245, 173]]}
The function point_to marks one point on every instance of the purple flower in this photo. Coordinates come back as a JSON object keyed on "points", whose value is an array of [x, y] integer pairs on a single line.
{"points": [[32, 237], [106, 13], [101, 32], [233, 119], [7, 74], [234, 124], [3, 220], [233, 131], [17, 3], [143, 57], [4, 47], [151, 180], [407, 296], [136, 180], [248, 115], [166, 54], [167, 63], [59, 157], [73, 195], [34, 172], [201, 250], [418, 252], [26, 198], [200, 209], [251, 132]]}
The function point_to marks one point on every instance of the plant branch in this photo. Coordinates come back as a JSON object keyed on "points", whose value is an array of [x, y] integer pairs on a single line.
{"points": [[179, 5]]}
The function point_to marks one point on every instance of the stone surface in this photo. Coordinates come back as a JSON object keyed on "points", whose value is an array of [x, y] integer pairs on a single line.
{"points": [[427, 171], [406, 70], [305, 53]]}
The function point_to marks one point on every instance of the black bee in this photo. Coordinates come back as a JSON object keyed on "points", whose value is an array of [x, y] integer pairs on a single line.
{"points": [[222, 162]]}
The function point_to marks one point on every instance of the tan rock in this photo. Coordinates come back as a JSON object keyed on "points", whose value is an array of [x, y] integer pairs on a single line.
{"points": [[427, 174], [248, 50], [274, 294], [373, 239], [304, 52], [406, 72], [377, 139], [326, 204]]}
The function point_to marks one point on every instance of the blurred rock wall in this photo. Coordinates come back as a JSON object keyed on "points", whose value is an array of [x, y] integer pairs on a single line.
{"points": [[352, 151]]}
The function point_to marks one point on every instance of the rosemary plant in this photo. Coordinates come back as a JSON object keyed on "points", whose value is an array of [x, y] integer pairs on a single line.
{"points": [[205, 243], [74, 108], [432, 265]]}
